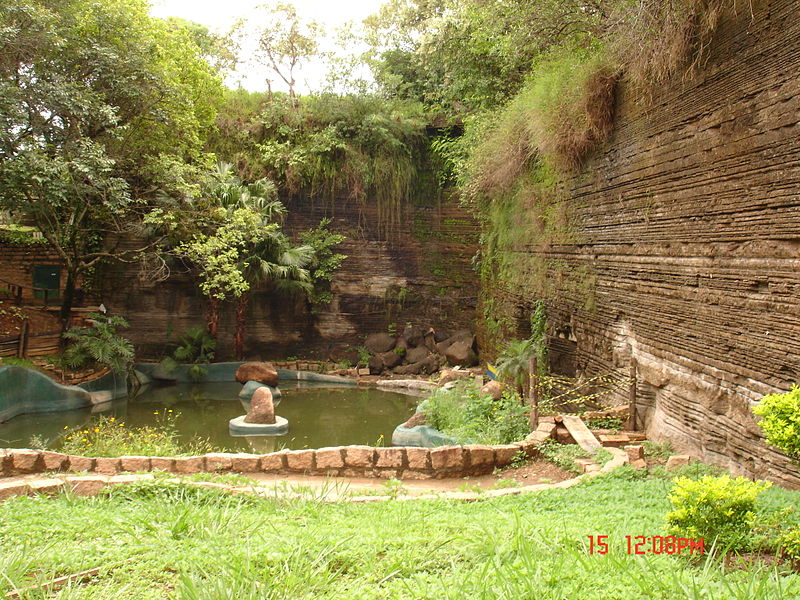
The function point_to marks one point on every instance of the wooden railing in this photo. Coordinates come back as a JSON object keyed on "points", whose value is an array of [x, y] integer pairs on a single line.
{"points": [[25, 345]]}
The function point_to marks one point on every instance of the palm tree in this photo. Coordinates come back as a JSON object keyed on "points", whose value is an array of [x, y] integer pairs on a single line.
{"points": [[276, 261]]}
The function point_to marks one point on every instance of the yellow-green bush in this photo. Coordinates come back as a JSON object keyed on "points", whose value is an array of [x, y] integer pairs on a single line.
{"points": [[780, 420], [717, 509]]}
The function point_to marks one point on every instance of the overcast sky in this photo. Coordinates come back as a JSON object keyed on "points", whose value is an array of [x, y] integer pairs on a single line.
{"points": [[219, 15]]}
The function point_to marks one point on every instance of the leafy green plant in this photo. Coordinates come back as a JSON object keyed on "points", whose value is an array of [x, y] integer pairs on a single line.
{"points": [[662, 450], [562, 455], [325, 261], [780, 420], [501, 484], [363, 355], [98, 344], [717, 509], [462, 412], [513, 363], [789, 545], [612, 423], [108, 436], [196, 347]]}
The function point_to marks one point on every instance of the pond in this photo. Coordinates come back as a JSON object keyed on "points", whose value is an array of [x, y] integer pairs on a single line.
{"points": [[318, 416]]}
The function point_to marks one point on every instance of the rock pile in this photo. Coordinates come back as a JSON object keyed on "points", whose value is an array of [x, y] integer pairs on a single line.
{"points": [[420, 352]]}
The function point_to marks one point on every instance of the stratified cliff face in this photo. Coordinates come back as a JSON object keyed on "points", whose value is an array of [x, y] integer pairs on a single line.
{"points": [[423, 275], [689, 223]]}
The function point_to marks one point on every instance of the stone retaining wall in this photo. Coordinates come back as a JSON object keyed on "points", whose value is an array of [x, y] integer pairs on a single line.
{"points": [[347, 461]]}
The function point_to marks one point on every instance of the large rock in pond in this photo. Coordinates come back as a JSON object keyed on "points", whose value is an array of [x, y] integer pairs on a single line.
{"points": [[262, 410], [379, 342], [461, 354], [261, 372]]}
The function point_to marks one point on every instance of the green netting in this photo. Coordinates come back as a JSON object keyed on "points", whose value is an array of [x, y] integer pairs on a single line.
{"points": [[27, 391], [422, 436]]}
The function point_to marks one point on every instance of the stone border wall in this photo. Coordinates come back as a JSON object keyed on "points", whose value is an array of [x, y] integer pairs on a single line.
{"points": [[347, 461]]}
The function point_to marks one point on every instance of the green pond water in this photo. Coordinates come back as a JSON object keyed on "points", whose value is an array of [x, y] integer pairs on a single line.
{"points": [[318, 416]]}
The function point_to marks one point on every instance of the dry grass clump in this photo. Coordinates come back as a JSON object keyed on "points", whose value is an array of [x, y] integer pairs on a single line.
{"points": [[657, 40]]}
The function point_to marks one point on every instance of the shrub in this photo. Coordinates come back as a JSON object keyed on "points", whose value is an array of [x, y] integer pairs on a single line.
{"points": [[462, 412], [98, 344], [195, 347], [789, 544], [720, 509], [562, 455], [781, 420], [110, 437]]}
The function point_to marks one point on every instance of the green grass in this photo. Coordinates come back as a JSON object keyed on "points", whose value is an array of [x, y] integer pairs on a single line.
{"points": [[193, 543]]}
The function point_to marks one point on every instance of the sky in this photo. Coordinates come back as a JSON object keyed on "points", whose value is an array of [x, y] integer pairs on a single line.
{"points": [[219, 15]]}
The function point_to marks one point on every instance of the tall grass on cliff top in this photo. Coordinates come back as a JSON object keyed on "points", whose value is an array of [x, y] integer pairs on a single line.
{"points": [[363, 148], [160, 540]]}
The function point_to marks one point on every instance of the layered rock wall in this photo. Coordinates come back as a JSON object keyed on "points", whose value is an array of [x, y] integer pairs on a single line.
{"points": [[421, 274], [688, 227]]}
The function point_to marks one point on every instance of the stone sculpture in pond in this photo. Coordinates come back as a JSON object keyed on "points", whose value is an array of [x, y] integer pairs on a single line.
{"points": [[260, 418]]}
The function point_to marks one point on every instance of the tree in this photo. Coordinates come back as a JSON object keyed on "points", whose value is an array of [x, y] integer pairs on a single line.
{"points": [[285, 41], [243, 247], [101, 106]]}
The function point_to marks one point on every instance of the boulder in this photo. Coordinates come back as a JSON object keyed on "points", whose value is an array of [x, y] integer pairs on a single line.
{"points": [[391, 359], [440, 335], [379, 342], [417, 354], [344, 353], [262, 410], [448, 375], [423, 367], [414, 336], [418, 418], [493, 389], [461, 353], [463, 335], [262, 372], [430, 340], [375, 365]]}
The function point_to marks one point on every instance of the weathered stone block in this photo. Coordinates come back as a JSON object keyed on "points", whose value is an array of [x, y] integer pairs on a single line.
{"points": [[26, 461], [217, 462], [504, 454], [120, 479], [46, 486], [5, 464], [329, 458], [677, 461], [359, 456], [386, 473], [528, 448], [480, 456], [447, 458], [245, 463], [418, 458], [409, 474], [634, 452], [134, 463], [77, 464], [87, 486], [392, 458], [107, 466], [13, 488], [159, 463], [54, 461], [276, 461], [300, 460], [189, 465]]}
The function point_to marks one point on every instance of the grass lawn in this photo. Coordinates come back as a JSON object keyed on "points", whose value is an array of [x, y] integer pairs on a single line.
{"points": [[169, 541]]}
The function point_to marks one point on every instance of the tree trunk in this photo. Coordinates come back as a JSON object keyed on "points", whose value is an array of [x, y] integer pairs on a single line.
{"points": [[67, 300], [241, 324], [213, 316]]}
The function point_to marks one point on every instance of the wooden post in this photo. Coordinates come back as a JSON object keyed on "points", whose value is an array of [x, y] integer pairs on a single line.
{"points": [[23, 340], [18, 296], [534, 394], [632, 395]]}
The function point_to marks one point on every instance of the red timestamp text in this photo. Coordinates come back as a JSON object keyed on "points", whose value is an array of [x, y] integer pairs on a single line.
{"points": [[649, 544]]}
